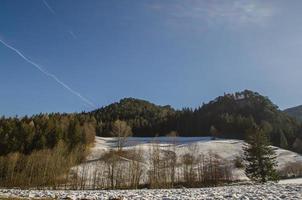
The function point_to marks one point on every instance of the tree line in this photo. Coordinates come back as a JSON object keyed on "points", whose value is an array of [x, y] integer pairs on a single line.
{"points": [[228, 116], [45, 131], [62, 167], [40, 150]]}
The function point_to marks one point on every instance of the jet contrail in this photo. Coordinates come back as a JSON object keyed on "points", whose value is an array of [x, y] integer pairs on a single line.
{"points": [[72, 34], [54, 77], [49, 7]]}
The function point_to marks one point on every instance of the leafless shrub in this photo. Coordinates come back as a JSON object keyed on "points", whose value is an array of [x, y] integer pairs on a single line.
{"points": [[216, 169], [291, 169], [40, 168], [123, 168], [121, 131]]}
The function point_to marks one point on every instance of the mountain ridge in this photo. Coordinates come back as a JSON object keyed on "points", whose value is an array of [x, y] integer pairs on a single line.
{"points": [[230, 115], [295, 112], [227, 116]]}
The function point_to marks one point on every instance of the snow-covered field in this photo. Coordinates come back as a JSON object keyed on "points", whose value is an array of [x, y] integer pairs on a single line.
{"points": [[270, 191], [225, 148]]}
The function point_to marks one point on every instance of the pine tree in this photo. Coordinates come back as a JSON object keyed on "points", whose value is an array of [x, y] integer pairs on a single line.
{"points": [[260, 157]]}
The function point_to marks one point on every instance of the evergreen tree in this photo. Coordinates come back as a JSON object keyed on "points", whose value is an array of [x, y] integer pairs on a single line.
{"points": [[260, 157]]}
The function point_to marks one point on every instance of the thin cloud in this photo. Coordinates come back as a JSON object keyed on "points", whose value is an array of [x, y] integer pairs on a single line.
{"points": [[45, 72], [235, 12], [241, 12], [49, 7]]}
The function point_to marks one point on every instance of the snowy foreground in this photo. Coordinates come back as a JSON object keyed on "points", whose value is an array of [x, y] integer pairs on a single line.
{"points": [[271, 191]]}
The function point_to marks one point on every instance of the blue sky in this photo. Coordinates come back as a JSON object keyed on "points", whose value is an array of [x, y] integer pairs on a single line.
{"points": [[87, 54]]}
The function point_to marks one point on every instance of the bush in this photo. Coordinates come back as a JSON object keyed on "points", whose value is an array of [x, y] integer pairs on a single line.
{"points": [[291, 170]]}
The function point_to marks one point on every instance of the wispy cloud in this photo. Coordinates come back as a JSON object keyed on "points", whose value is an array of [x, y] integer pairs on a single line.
{"points": [[45, 72], [49, 7], [241, 12], [233, 12]]}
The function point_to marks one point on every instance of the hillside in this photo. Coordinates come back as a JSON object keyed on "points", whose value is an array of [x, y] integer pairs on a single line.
{"points": [[232, 115], [145, 118], [227, 149], [228, 116], [295, 112], [223, 151], [68, 136]]}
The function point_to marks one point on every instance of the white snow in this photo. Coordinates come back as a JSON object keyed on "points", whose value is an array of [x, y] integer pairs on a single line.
{"points": [[227, 149], [267, 191], [291, 181]]}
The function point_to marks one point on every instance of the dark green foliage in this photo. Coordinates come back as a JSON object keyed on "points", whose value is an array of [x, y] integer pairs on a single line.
{"points": [[40, 150], [44, 131], [233, 114], [145, 119], [260, 158], [229, 116]]}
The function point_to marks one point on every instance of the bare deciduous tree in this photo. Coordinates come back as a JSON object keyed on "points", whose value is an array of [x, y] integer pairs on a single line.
{"points": [[121, 130]]}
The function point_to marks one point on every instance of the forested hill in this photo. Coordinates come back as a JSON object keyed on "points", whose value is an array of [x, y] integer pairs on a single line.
{"points": [[295, 112], [232, 115], [145, 118], [228, 116], [45, 131]]}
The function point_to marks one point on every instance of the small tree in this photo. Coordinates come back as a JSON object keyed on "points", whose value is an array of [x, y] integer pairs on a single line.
{"points": [[171, 157], [260, 158], [214, 132], [111, 160], [121, 130]]}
